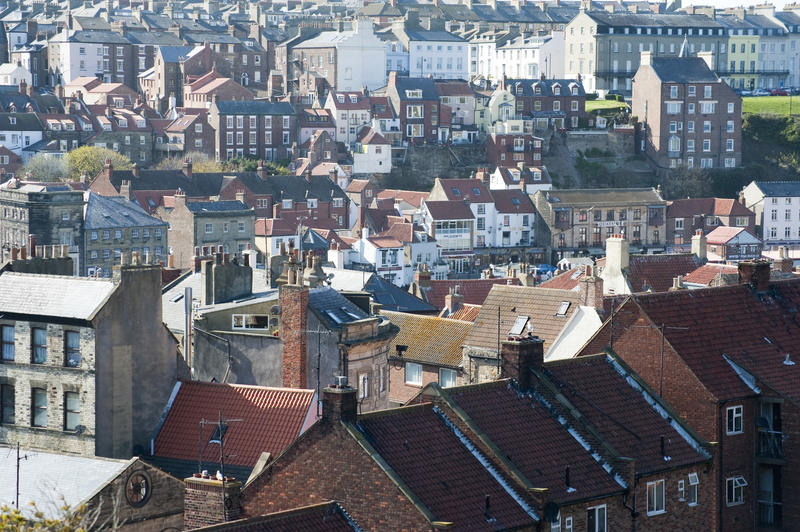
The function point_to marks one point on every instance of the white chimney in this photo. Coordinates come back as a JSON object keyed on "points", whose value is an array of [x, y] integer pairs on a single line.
{"points": [[615, 280], [699, 245], [645, 58]]}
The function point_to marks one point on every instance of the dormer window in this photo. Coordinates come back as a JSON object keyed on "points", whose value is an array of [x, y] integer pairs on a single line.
{"points": [[537, 89], [415, 93], [456, 192], [12, 120], [140, 123], [557, 90], [519, 90], [574, 91], [353, 98], [123, 122], [537, 176], [118, 102], [340, 98]]}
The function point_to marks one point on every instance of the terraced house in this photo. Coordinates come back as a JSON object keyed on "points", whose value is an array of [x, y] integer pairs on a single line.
{"points": [[262, 129]]}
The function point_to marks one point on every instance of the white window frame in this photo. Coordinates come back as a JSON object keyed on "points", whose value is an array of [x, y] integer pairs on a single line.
{"points": [[655, 498], [694, 482], [732, 414], [734, 490], [416, 366], [447, 371], [681, 490], [598, 526], [363, 386]]}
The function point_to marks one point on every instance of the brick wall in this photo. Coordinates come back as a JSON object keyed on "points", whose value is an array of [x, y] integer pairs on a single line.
{"points": [[326, 463], [207, 503], [294, 323], [678, 515]]}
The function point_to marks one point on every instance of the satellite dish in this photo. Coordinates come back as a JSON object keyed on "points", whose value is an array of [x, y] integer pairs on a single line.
{"points": [[276, 310]]}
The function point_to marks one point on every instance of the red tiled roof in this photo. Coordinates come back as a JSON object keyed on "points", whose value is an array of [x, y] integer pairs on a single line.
{"points": [[567, 280], [385, 242], [466, 312], [474, 291], [686, 208], [537, 444], [755, 329], [409, 196], [362, 102], [706, 273], [331, 236], [357, 185], [323, 517], [504, 201], [591, 382], [723, 234], [473, 190], [367, 135], [274, 227], [381, 101], [271, 419], [449, 210], [403, 232], [430, 459], [658, 271]]}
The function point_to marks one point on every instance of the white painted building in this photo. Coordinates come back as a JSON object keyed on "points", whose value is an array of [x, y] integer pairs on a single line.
{"points": [[18, 131], [492, 55], [358, 52], [777, 208], [385, 253], [437, 54], [372, 153], [12, 74], [351, 111]]}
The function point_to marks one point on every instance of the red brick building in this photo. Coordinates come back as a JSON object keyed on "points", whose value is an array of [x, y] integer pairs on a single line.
{"points": [[724, 359], [416, 102], [554, 103], [513, 149], [686, 216], [262, 129]]}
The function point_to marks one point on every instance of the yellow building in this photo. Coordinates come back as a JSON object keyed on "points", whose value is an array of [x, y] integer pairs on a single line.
{"points": [[741, 72]]}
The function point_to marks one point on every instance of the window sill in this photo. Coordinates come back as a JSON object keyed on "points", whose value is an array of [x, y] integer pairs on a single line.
{"points": [[413, 385], [734, 433], [652, 514], [729, 504]]}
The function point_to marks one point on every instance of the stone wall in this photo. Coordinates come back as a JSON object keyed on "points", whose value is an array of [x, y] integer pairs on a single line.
{"points": [[620, 143], [255, 359]]}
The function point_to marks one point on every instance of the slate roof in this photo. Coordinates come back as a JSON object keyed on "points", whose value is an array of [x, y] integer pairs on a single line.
{"points": [[199, 207], [172, 54], [598, 389], [255, 107], [55, 296], [25, 122], [271, 419], [528, 435], [46, 478], [449, 210], [683, 70], [686, 208], [444, 475], [425, 35], [430, 340], [656, 272], [546, 86], [540, 305], [392, 297], [428, 87], [163, 38], [103, 212], [674, 20], [512, 201], [322, 517], [333, 308], [779, 189]]}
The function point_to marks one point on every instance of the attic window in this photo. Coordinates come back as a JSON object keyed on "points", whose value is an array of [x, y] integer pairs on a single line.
{"points": [[333, 316], [562, 310], [456, 192], [123, 122], [415, 93], [537, 176], [351, 314], [476, 191], [353, 98], [519, 325], [340, 98], [12, 120], [519, 90], [515, 201]]}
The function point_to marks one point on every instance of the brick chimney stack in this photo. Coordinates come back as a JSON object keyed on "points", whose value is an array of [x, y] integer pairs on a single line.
{"points": [[209, 501], [519, 356], [453, 300], [755, 273], [108, 169], [294, 323], [339, 402], [187, 168], [591, 289], [699, 245]]}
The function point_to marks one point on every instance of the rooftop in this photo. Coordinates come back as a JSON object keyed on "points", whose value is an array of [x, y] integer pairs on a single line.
{"points": [[430, 340], [53, 296]]}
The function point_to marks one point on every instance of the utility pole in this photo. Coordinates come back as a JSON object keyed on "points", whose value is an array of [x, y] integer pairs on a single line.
{"points": [[19, 459]]}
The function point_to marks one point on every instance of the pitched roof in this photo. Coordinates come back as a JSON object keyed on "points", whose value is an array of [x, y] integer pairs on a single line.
{"points": [[54, 296], [274, 227], [683, 70], [216, 206], [333, 308], [357, 185], [52, 480], [425, 451], [465, 312], [106, 212], [412, 197], [512, 201], [473, 190], [779, 188], [567, 280], [430, 340], [325, 516], [599, 196], [474, 291], [723, 234], [540, 305], [707, 272], [449, 210], [601, 388], [655, 273], [706, 325], [270, 420], [545, 86], [686, 208], [536, 443]]}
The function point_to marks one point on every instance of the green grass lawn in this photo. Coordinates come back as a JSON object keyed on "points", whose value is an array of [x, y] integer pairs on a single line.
{"points": [[594, 105], [768, 105]]}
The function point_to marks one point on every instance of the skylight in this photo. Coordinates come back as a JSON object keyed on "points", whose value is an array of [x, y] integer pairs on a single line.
{"points": [[476, 191], [519, 326], [456, 192], [333, 316], [562, 309]]}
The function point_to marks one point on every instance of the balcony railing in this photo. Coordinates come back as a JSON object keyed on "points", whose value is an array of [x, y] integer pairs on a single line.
{"points": [[762, 71], [770, 444], [770, 513]]}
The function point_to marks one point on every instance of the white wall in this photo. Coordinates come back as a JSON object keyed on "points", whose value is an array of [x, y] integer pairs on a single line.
{"points": [[433, 57], [371, 162], [16, 140], [13, 74], [358, 58]]}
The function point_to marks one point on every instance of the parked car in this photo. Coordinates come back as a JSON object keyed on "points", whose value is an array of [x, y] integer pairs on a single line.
{"points": [[778, 92], [761, 92], [744, 92]]}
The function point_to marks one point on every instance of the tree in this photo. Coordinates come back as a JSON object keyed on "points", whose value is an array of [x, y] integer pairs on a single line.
{"points": [[92, 159], [201, 163], [43, 167]]}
